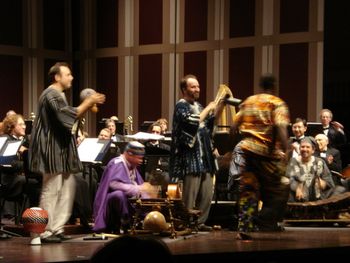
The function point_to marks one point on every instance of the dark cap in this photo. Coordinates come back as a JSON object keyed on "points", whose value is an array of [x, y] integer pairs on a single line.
{"points": [[135, 148]]}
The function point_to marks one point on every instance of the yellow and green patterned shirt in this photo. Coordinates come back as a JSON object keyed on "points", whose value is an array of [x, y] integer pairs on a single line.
{"points": [[257, 118]]}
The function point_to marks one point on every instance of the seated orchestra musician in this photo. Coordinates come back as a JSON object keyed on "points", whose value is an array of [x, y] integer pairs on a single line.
{"points": [[333, 129], [163, 123], [111, 125], [13, 179], [299, 128], [113, 151], [157, 159], [332, 157]]}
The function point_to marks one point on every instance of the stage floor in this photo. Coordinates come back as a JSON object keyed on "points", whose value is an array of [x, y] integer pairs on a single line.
{"points": [[292, 245]]}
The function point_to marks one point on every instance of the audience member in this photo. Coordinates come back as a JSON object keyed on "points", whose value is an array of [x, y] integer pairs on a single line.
{"points": [[120, 181], [148, 249]]}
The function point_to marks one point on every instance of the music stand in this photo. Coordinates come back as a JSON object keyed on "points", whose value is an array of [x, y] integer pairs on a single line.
{"points": [[8, 154], [146, 125], [8, 151], [155, 166], [313, 128], [91, 152]]}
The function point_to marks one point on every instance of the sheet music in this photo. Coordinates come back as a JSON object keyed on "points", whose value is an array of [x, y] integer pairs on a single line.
{"points": [[12, 148], [145, 136], [89, 149]]}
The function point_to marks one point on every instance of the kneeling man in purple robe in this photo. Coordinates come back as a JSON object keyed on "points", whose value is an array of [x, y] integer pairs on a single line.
{"points": [[120, 181]]}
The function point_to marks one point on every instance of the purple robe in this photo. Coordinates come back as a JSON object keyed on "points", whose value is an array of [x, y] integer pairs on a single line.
{"points": [[117, 186]]}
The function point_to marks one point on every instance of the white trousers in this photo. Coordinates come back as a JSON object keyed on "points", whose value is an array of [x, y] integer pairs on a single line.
{"points": [[57, 199]]}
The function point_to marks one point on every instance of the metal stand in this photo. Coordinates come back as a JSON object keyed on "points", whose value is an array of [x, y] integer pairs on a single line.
{"points": [[5, 234]]}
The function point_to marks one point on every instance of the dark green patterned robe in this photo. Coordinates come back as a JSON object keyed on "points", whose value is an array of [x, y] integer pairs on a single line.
{"points": [[192, 146]]}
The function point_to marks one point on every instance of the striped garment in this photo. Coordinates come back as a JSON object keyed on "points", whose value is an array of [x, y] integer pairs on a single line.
{"points": [[52, 144]]}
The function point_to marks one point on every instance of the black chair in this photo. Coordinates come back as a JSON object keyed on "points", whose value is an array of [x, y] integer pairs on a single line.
{"points": [[15, 192], [18, 201]]}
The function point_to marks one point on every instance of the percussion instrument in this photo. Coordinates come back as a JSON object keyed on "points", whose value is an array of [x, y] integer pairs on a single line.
{"points": [[326, 209]]}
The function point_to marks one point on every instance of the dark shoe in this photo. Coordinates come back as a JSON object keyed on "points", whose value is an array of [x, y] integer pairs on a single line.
{"points": [[51, 239], [63, 237], [243, 236], [204, 228]]}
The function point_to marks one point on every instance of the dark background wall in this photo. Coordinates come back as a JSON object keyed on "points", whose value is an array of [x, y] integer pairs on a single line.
{"points": [[336, 73], [91, 35]]}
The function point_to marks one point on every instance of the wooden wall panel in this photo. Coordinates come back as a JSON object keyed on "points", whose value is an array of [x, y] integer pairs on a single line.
{"points": [[11, 75], [336, 62], [106, 23], [293, 78], [242, 18], [195, 63], [11, 20], [241, 72], [294, 16], [77, 26], [150, 22], [196, 20], [76, 71], [231, 49], [54, 17], [150, 88], [107, 83]]}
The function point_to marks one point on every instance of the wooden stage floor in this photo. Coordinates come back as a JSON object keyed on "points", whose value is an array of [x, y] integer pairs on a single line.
{"points": [[296, 244]]}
